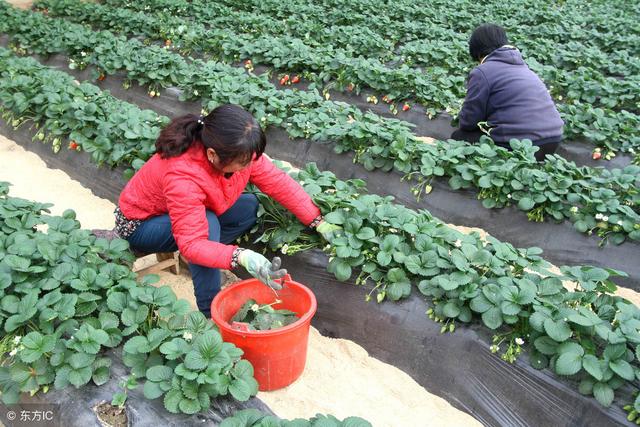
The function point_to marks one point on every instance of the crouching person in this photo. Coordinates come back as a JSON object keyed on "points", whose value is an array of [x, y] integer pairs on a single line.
{"points": [[189, 196], [505, 99]]}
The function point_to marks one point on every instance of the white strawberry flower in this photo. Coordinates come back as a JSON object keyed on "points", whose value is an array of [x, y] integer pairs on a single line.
{"points": [[458, 243], [508, 196], [598, 216], [284, 249], [13, 352], [605, 218], [187, 336], [255, 307], [16, 339], [574, 209], [519, 341]]}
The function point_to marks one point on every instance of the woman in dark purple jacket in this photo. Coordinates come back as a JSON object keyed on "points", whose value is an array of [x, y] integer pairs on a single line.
{"points": [[505, 99]]}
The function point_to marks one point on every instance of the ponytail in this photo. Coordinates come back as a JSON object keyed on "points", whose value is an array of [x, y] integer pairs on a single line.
{"points": [[229, 129], [178, 136]]}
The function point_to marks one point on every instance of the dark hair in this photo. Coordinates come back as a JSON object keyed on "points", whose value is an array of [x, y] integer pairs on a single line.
{"points": [[229, 129], [485, 39]]}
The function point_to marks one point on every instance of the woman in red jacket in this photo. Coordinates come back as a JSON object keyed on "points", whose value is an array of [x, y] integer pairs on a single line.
{"points": [[188, 197]]}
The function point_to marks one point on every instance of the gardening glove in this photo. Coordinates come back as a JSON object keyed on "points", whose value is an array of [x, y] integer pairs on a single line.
{"points": [[328, 231], [260, 268]]}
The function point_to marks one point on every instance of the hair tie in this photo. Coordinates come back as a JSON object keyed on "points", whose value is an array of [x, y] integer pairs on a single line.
{"points": [[201, 120]]}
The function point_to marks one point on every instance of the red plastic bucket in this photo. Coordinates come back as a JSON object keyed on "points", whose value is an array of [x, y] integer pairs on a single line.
{"points": [[278, 356]]}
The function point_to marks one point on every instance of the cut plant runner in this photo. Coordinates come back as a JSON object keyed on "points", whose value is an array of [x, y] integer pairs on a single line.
{"points": [[253, 316]]}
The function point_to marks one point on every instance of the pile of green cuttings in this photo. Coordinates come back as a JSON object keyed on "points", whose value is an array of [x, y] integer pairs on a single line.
{"points": [[258, 317]]}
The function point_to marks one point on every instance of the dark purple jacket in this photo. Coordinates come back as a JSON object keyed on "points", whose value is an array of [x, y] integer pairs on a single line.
{"points": [[504, 92]]}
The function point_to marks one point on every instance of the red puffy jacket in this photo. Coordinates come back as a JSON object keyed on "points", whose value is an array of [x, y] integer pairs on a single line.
{"points": [[187, 185]]}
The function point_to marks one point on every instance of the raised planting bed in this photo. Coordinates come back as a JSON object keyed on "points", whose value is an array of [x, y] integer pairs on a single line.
{"points": [[459, 367], [583, 333], [420, 350], [561, 243], [593, 104], [493, 220], [73, 313], [170, 69], [77, 407]]}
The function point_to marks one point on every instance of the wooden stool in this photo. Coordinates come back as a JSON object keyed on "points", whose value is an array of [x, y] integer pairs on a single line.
{"points": [[166, 261]]}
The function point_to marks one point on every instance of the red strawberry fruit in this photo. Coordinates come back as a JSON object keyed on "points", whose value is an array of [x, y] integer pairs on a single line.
{"points": [[597, 154]]}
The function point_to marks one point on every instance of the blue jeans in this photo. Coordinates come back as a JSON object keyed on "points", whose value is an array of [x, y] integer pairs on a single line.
{"points": [[154, 235]]}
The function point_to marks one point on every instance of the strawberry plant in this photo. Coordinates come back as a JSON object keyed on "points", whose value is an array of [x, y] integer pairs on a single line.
{"points": [[445, 51], [403, 24], [119, 398], [587, 333], [255, 418], [89, 117], [556, 190], [67, 298], [384, 245]]}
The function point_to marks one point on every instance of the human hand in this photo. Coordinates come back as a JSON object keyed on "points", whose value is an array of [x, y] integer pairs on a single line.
{"points": [[261, 268]]}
